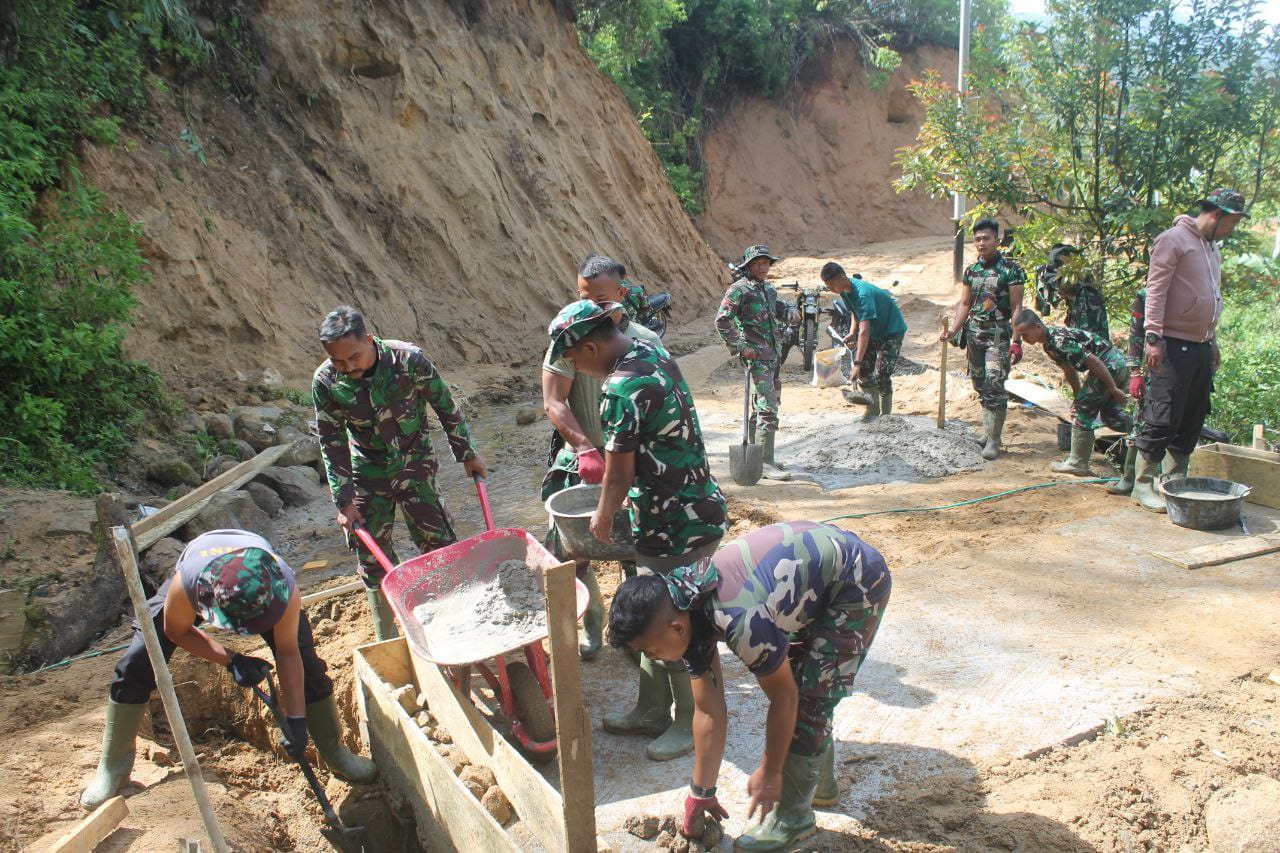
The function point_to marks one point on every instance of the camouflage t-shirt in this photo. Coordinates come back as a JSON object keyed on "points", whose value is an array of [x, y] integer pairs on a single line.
{"points": [[646, 408], [1137, 330], [779, 579], [990, 283], [207, 547], [751, 316], [1069, 348], [634, 301], [382, 416], [1086, 310]]}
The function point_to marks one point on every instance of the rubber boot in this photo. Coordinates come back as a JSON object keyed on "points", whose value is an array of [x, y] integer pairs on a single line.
{"points": [[827, 793], [1124, 485], [771, 469], [994, 421], [1077, 461], [677, 740], [1144, 485], [593, 619], [792, 818], [873, 405], [1176, 465], [886, 402], [119, 743], [322, 725], [652, 714], [384, 622]]}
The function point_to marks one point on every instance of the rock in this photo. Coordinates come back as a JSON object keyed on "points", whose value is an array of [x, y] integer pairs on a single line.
{"points": [[296, 486], [243, 449], [497, 804], [225, 464], [304, 451], [158, 562], [254, 429], [482, 776], [232, 509], [218, 426], [407, 699], [197, 395], [172, 472], [422, 720], [524, 417], [712, 832], [190, 422], [71, 523], [266, 498], [642, 826], [476, 790], [323, 627], [1242, 817], [456, 760], [288, 435], [271, 378], [440, 734]]}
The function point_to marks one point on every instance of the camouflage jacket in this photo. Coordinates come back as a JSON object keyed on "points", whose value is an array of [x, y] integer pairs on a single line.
{"points": [[634, 302], [751, 316], [1069, 348], [646, 408], [990, 283], [382, 417], [1137, 354], [1086, 310]]}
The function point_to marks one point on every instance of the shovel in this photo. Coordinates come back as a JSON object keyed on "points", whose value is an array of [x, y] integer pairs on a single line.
{"points": [[348, 839], [746, 461]]}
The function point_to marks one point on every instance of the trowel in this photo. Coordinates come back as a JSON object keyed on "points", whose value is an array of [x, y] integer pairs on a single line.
{"points": [[746, 460]]}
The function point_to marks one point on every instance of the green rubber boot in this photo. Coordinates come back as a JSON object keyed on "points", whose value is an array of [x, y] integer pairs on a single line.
{"points": [[874, 405], [384, 622], [1124, 485], [1144, 485], [1176, 465], [322, 724], [886, 402], [827, 793], [995, 430], [792, 818], [593, 620], [652, 714], [771, 469], [677, 740], [119, 741], [1077, 461]]}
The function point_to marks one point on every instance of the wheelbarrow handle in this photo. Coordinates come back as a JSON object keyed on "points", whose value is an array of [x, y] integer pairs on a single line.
{"points": [[483, 491], [362, 533]]}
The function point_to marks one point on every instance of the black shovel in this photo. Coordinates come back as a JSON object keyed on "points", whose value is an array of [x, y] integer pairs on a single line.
{"points": [[746, 460], [348, 839]]}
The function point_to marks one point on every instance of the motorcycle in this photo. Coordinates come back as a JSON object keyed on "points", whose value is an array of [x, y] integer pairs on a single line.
{"points": [[657, 314], [804, 332]]}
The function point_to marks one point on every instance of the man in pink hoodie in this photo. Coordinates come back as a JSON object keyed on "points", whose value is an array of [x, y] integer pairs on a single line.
{"points": [[1184, 302]]}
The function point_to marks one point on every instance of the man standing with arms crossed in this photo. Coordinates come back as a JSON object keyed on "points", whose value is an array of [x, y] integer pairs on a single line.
{"points": [[371, 397], [879, 329]]}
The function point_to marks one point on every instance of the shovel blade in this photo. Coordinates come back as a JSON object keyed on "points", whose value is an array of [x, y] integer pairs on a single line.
{"points": [[348, 839], [746, 463]]}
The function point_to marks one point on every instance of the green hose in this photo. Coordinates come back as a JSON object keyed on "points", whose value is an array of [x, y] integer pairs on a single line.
{"points": [[1087, 482]]}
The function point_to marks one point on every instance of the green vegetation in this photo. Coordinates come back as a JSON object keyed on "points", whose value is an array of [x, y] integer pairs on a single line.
{"points": [[1247, 385]]}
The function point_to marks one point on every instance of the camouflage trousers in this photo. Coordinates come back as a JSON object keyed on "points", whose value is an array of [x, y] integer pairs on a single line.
{"points": [[875, 371], [1093, 403], [988, 351], [411, 485], [766, 395], [824, 658]]}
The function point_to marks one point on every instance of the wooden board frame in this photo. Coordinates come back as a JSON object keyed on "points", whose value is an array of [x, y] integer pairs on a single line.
{"points": [[1257, 468], [1226, 551]]}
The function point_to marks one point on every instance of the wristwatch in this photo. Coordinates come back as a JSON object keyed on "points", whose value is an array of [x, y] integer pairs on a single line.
{"points": [[701, 792], [1153, 338]]}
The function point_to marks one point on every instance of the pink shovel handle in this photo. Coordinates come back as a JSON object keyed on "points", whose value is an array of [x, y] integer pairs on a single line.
{"points": [[364, 536], [483, 491]]}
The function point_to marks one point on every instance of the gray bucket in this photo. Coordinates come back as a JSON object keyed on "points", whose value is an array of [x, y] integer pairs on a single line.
{"points": [[571, 511], [1203, 503]]}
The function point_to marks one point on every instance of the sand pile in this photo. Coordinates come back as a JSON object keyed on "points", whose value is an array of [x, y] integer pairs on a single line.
{"points": [[480, 620]]}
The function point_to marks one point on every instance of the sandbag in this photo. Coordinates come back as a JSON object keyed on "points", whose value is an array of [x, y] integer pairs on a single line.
{"points": [[827, 372]]}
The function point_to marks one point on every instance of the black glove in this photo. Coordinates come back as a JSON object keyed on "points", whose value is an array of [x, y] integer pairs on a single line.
{"points": [[246, 670], [296, 742]]}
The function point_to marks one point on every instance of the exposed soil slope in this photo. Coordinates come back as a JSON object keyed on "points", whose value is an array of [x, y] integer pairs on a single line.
{"points": [[812, 172], [444, 166]]}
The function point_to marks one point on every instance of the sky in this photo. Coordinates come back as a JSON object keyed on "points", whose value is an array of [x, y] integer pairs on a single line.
{"points": [[1270, 9]]}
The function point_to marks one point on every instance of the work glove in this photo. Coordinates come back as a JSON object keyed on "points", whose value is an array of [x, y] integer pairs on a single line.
{"points": [[1015, 353], [694, 806], [247, 671], [1137, 386], [591, 466], [296, 742]]}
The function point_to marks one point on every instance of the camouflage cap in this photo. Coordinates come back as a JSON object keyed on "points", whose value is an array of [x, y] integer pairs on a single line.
{"points": [[577, 320], [1227, 200], [245, 591], [760, 250]]}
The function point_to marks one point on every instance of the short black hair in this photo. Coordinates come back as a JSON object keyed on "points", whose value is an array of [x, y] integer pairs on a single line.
{"points": [[1027, 317], [987, 224], [830, 270], [1206, 206], [622, 270], [598, 265], [635, 605], [340, 322]]}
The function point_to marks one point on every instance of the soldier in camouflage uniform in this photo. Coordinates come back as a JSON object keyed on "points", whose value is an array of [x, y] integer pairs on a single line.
{"points": [[1101, 395], [1066, 279], [799, 603], [1135, 358], [876, 334], [753, 323], [654, 457], [371, 398], [634, 300], [992, 294]]}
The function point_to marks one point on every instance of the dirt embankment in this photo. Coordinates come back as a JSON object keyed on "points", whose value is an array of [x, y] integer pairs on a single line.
{"points": [[443, 165], [812, 172]]}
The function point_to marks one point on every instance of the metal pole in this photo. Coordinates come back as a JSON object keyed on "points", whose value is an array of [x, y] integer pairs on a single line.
{"points": [[959, 203]]}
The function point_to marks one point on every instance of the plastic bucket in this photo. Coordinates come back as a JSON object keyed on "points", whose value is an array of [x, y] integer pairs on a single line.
{"points": [[1204, 503], [570, 512]]}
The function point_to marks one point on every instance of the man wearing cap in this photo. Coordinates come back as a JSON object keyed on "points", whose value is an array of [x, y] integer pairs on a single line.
{"points": [[654, 456], [371, 397], [1184, 302], [1067, 279], [572, 402], [753, 324], [879, 331], [232, 580]]}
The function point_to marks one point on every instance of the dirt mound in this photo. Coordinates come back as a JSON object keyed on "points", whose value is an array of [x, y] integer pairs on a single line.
{"points": [[813, 171], [444, 166]]}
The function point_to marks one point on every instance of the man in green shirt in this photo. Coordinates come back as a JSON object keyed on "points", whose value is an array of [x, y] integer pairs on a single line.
{"points": [[879, 331]]}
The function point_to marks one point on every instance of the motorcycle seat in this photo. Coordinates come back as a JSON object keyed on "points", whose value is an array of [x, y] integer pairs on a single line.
{"points": [[659, 300]]}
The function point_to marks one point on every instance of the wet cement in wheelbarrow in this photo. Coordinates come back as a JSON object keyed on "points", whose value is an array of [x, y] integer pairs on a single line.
{"points": [[500, 613]]}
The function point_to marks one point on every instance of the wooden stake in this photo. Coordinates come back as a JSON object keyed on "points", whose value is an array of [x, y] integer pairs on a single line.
{"points": [[1259, 437], [90, 831], [164, 682], [942, 376]]}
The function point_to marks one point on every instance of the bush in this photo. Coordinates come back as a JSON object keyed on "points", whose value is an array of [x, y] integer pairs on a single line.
{"points": [[1247, 384]]}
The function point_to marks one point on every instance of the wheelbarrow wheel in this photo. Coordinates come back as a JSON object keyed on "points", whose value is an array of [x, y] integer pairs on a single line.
{"points": [[531, 704]]}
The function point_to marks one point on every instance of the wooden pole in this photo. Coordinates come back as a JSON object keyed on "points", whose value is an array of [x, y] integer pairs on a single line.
{"points": [[942, 376], [89, 832], [1259, 437], [164, 682]]}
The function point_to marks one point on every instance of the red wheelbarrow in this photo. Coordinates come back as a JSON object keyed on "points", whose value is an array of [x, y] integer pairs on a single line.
{"points": [[523, 688]]}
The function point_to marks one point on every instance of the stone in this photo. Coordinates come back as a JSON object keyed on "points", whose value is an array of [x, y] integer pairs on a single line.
{"points": [[288, 435], [524, 417], [1243, 818], [216, 464], [456, 760], [407, 699], [219, 426], [422, 720], [243, 449], [497, 804], [297, 485], [191, 423], [266, 498], [482, 776], [712, 832], [172, 472], [259, 432], [642, 826], [160, 561], [231, 509], [440, 734], [72, 523], [305, 450]]}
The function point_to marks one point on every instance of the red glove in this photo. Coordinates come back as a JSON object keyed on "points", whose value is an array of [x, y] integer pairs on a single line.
{"points": [[1137, 386], [1015, 353], [695, 806], [591, 466]]}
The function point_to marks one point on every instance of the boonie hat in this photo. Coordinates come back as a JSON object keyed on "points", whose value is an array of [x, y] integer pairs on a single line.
{"points": [[577, 320], [1227, 200], [245, 591], [760, 250]]}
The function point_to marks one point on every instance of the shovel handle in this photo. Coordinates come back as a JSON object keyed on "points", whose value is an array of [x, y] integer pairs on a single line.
{"points": [[483, 491], [273, 705], [362, 533], [746, 403]]}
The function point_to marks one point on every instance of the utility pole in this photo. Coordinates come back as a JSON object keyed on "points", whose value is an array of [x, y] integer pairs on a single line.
{"points": [[958, 200]]}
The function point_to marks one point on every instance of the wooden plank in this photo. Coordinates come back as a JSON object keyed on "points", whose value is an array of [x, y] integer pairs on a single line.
{"points": [[1048, 400], [342, 589], [537, 803], [1218, 553], [1259, 437], [312, 565], [1257, 468], [90, 831], [153, 528], [573, 726], [942, 376], [448, 817]]}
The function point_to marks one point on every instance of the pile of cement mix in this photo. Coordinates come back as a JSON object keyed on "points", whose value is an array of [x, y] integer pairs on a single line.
{"points": [[479, 620]]}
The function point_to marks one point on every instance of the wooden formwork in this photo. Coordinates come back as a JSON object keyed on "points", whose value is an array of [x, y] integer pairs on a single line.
{"points": [[449, 817]]}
